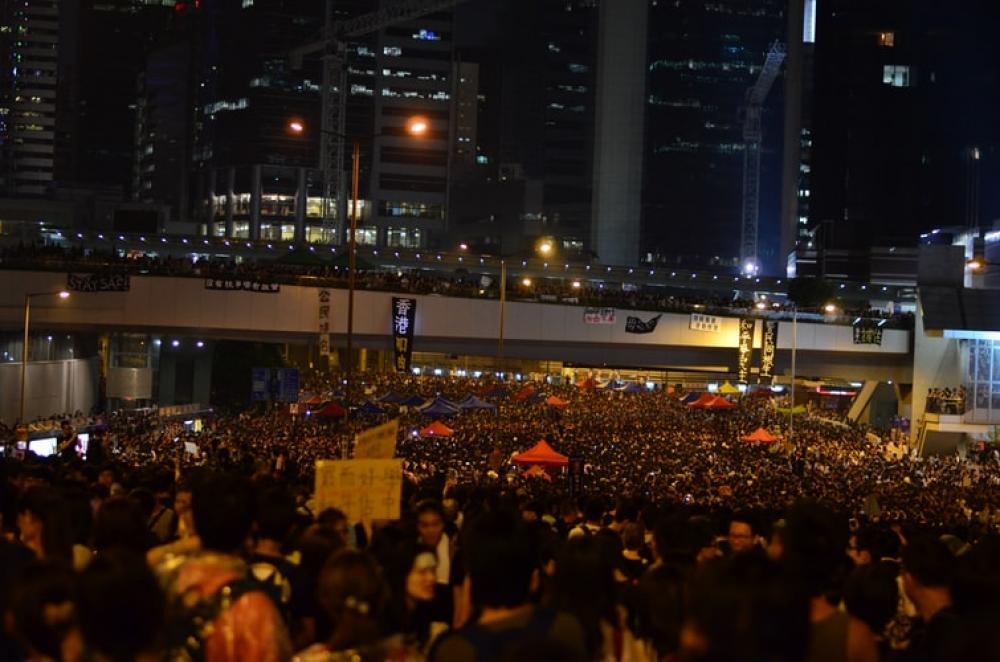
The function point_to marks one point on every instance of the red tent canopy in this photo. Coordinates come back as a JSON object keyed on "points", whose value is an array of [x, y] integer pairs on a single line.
{"points": [[760, 435], [720, 403], [437, 429], [331, 410], [542, 455], [702, 401], [524, 393], [590, 382], [538, 472], [553, 401]]}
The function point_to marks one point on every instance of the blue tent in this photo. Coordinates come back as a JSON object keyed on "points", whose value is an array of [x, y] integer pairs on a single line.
{"points": [[439, 407], [393, 398], [370, 408], [535, 398], [472, 402], [632, 388], [413, 401], [612, 385], [498, 392], [689, 398]]}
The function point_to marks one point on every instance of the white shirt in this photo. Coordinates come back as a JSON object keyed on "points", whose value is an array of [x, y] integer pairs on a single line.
{"points": [[444, 560]]}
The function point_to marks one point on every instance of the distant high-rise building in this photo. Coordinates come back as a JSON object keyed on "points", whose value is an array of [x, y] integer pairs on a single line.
{"points": [[904, 120], [29, 48], [408, 194], [535, 128], [702, 58]]}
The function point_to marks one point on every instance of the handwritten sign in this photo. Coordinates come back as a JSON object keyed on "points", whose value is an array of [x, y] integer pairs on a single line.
{"points": [[377, 443], [365, 490]]}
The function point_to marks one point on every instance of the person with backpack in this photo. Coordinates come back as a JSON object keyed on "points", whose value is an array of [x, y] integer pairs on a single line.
{"points": [[216, 612]]}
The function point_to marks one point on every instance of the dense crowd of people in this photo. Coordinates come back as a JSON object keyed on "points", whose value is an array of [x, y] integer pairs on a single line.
{"points": [[459, 283], [679, 540]]}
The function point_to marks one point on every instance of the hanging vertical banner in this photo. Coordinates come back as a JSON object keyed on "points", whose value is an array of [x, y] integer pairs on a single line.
{"points": [[768, 350], [404, 313], [324, 322], [745, 348]]}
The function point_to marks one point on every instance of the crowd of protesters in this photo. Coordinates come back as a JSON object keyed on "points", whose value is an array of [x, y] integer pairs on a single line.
{"points": [[679, 541], [459, 283]]}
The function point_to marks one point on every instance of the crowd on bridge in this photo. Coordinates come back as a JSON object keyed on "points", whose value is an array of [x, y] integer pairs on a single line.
{"points": [[680, 540], [316, 271]]}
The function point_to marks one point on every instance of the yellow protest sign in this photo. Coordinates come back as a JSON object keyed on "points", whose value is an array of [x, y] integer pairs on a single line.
{"points": [[365, 490], [377, 443]]}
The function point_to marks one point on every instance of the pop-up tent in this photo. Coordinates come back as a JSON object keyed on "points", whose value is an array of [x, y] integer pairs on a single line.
{"points": [[413, 401], [702, 401], [393, 398], [542, 455], [553, 401], [439, 407], [690, 397], [472, 402], [760, 436], [497, 393], [437, 429], [535, 398], [526, 391], [728, 389], [798, 410], [720, 402], [590, 382], [370, 408], [633, 387], [313, 400], [331, 410]]}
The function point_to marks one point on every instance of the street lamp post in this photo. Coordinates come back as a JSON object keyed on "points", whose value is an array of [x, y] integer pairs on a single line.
{"points": [[25, 346], [795, 344], [543, 248], [415, 126]]}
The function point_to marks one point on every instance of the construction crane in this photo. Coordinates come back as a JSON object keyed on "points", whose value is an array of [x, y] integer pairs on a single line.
{"points": [[333, 49], [752, 140]]}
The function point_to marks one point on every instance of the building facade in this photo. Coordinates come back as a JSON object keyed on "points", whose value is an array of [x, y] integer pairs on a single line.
{"points": [[702, 58]]}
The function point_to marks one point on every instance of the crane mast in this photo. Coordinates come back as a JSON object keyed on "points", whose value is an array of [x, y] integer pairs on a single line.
{"points": [[752, 141]]}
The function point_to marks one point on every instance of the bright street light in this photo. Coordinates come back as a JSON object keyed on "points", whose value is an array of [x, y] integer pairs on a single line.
{"points": [[64, 294], [545, 247], [576, 284], [296, 126], [975, 265], [760, 305], [830, 308], [417, 126], [526, 282]]}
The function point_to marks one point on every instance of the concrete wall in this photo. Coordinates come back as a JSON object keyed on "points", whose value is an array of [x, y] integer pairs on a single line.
{"points": [[618, 139], [936, 363], [54, 387]]}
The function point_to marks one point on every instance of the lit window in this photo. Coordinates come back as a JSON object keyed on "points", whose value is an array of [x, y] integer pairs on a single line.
{"points": [[896, 75], [887, 39], [394, 51], [426, 35]]}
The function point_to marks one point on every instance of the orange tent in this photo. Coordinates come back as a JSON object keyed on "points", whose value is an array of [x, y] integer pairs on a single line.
{"points": [[525, 393], [720, 403], [541, 454], [437, 429], [331, 410], [553, 401], [590, 382], [702, 401], [760, 435], [313, 401], [537, 471]]}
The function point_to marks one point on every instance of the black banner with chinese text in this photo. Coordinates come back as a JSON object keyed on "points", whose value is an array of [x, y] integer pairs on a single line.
{"points": [[768, 351], [745, 348], [404, 314]]}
